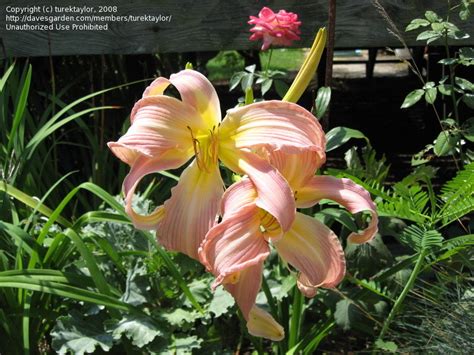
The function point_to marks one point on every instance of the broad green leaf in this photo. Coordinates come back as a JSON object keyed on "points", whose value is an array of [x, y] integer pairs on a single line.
{"points": [[235, 80], [281, 87], [200, 290], [448, 61], [75, 335], [179, 316], [468, 129], [186, 345], [347, 314], [339, 215], [430, 95], [221, 302], [464, 84], [445, 142], [466, 55], [135, 286], [417, 23], [247, 81], [139, 330], [389, 346], [412, 98], [323, 98], [340, 135], [266, 85], [445, 89], [251, 68], [428, 36], [437, 27], [432, 16], [468, 99]]}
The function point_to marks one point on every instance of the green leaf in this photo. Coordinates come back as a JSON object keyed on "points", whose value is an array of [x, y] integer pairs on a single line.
{"points": [[139, 330], [180, 316], [322, 101], [468, 99], [221, 302], [251, 68], [281, 87], [432, 16], [445, 89], [417, 23], [437, 27], [445, 142], [428, 36], [235, 80], [339, 215], [247, 81], [74, 334], [340, 135], [464, 84], [466, 9], [468, 129], [430, 95], [6, 76], [186, 345], [266, 85], [418, 238], [389, 346], [412, 98], [448, 61], [347, 313], [135, 286], [466, 56]]}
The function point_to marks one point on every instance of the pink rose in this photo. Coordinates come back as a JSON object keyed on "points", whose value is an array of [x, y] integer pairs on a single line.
{"points": [[280, 29]]}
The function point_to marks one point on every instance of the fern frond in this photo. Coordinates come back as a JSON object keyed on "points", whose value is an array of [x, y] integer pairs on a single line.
{"points": [[419, 238], [457, 196]]}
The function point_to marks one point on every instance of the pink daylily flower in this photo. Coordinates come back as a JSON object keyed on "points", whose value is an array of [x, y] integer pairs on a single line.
{"points": [[166, 132], [238, 246], [279, 29]]}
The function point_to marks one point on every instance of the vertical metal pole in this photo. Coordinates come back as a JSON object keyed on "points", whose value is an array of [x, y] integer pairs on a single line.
{"points": [[329, 54]]}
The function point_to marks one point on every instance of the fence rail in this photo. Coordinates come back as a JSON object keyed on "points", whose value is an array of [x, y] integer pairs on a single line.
{"points": [[61, 27]]}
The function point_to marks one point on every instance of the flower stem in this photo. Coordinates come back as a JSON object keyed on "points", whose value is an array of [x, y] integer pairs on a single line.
{"points": [[296, 313], [406, 289], [269, 297], [270, 52]]}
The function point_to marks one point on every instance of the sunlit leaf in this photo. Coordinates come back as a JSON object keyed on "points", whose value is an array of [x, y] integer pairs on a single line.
{"points": [[412, 98], [73, 334]]}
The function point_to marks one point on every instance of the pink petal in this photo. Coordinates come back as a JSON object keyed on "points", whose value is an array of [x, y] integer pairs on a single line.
{"points": [[314, 250], [262, 324], [195, 90], [192, 210], [273, 193], [142, 166], [345, 192], [246, 289], [275, 124], [299, 168], [159, 123], [238, 196], [234, 245], [157, 87]]}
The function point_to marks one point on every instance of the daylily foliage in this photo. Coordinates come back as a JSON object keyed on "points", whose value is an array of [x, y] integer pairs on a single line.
{"points": [[277, 147]]}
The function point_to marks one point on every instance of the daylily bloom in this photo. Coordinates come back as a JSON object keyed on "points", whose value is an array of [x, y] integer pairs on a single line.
{"points": [[238, 246], [279, 29], [166, 132]]}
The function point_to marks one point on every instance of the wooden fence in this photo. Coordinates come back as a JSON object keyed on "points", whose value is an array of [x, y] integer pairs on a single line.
{"points": [[61, 27]]}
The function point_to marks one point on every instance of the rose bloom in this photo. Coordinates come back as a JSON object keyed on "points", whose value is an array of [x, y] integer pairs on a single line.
{"points": [[279, 29]]}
